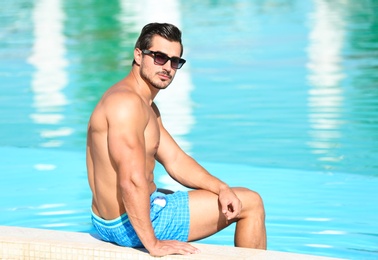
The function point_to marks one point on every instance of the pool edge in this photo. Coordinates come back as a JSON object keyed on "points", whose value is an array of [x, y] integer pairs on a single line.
{"points": [[32, 243]]}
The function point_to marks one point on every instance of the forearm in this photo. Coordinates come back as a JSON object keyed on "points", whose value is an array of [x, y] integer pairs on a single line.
{"points": [[191, 174], [188, 172], [136, 200], [184, 168]]}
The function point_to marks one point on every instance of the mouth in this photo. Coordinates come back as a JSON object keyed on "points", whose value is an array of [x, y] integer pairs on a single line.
{"points": [[164, 75]]}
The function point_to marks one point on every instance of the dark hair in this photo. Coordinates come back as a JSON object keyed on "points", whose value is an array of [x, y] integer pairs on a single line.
{"points": [[165, 30]]}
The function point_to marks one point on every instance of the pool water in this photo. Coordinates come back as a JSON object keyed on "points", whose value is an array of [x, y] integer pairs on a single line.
{"points": [[279, 96]]}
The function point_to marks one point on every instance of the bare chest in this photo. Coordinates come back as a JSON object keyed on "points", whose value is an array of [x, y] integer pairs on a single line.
{"points": [[152, 135]]}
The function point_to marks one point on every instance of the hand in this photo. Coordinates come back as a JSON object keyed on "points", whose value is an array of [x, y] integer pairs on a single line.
{"points": [[230, 203], [169, 247]]}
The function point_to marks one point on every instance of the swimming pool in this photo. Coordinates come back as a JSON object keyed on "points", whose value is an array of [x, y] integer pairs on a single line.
{"points": [[278, 96]]}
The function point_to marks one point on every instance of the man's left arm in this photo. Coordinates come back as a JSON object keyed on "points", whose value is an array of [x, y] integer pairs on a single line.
{"points": [[187, 171]]}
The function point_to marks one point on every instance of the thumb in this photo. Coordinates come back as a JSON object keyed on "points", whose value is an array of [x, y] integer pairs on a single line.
{"points": [[225, 207]]}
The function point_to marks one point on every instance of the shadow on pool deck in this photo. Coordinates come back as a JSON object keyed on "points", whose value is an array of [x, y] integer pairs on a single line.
{"points": [[30, 243]]}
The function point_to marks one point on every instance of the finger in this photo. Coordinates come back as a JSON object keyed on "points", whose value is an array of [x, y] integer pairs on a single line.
{"points": [[232, 215], [224, 208], [234, 210], [191, 249], [186, 248]]}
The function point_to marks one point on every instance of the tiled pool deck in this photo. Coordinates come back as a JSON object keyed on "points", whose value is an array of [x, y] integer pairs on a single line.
{"points": [[30, 243]]}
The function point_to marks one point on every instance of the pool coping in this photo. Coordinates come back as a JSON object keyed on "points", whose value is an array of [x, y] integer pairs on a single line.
{"points": [[32, 243]]}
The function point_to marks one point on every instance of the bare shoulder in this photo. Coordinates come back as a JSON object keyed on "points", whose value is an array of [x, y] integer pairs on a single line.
{"points": [[123, 102], [119, 105]]}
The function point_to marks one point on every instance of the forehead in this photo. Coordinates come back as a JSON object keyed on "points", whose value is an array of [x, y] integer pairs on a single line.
{"points": [[163, 45]]}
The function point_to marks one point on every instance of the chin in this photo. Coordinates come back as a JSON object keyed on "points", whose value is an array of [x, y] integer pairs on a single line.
{"points": [[160, 86]]}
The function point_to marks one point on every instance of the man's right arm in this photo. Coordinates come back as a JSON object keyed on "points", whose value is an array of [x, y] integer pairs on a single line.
{"points": [[127, 119]]}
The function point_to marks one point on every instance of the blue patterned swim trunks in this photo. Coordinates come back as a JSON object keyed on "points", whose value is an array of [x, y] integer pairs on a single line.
{"points": [[169, 216]]}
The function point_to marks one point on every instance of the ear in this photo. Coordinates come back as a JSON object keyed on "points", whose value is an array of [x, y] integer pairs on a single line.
{"points": [[137, 56]]}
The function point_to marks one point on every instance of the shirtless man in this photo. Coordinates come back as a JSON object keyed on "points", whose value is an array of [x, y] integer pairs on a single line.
{"points": [[125, 137]]}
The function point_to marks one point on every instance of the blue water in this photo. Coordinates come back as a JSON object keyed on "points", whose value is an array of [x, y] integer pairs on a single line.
{"points": [[278, 96]]}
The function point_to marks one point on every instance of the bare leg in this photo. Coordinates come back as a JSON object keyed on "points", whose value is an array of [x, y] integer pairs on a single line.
{"points": [[206, 218], [252, 221]]}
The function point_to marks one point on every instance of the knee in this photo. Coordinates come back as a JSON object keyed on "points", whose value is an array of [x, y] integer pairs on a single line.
{"points": [[253, 201], [257, 199]]}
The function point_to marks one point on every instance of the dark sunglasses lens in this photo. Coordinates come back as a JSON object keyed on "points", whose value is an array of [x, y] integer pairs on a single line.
{"points": [[161, 58], [177, 63]]}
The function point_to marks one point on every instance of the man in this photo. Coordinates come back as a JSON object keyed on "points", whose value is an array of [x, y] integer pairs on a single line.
{"points": [[126, 136]]}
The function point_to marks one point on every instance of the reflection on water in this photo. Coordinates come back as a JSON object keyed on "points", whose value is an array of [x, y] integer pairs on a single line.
{"points": [[342, 48], [250, 92], [325, 102], [50, 77]]}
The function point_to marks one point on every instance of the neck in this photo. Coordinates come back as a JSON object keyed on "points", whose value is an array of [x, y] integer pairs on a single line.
{"points": [[146, 91]]}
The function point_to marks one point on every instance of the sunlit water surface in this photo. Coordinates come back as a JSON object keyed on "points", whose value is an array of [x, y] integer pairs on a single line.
{"points": [[278, 96]]}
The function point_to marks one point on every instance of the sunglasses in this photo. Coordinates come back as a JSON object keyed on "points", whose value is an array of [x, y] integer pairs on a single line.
{"points": [[162, 58]]}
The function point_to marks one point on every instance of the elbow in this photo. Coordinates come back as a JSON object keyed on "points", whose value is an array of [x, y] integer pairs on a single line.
{"points": [[132, 182]]}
